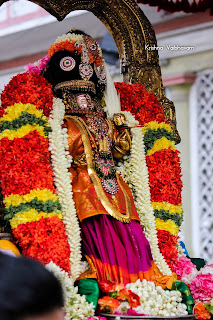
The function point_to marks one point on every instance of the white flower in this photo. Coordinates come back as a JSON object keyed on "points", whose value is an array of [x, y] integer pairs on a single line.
{"points": [[75, 305], [134, 171], [69, 37], [180, 250], [165, 303], [206, 269], [188, 277], [61, 161], [84, 266]]}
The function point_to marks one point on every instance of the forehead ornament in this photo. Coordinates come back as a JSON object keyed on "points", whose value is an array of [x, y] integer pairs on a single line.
{"points": [[67, 63]]}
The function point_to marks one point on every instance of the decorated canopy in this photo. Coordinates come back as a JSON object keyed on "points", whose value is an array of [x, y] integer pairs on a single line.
{"points": [[188, 6]]}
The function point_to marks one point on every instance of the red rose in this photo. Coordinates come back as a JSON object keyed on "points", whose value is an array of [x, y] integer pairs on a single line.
{"points": [[106, 286], [108, 304], [128, 295]]}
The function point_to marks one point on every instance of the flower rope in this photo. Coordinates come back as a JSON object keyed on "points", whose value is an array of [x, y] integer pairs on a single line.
{"points": [[138, 181], [163, 164], [75, 305], [61, 161]]}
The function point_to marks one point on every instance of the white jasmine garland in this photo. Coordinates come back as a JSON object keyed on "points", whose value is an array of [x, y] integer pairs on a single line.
{"points": [[180, 250], [69, 37], [75, 37], [84, 266], [75, 305], [155, 301], [61, 161], [135, 172]]}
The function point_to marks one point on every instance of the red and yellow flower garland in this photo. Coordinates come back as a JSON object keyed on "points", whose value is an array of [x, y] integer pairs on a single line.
{"points": [[26, 176], [25, 168], [163, 165]]}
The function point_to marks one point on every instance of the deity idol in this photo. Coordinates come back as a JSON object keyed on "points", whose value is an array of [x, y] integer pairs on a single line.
{"points": [[113, 241]]}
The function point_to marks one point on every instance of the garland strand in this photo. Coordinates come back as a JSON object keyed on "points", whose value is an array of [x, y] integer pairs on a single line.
{"points": [[61, 161], [135, 173], [162, 161], [76, 307]]}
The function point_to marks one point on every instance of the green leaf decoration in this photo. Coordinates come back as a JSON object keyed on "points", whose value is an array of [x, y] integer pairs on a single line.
{"points": [[165, 215], [24, 119], [151, 135], [47, 206]]}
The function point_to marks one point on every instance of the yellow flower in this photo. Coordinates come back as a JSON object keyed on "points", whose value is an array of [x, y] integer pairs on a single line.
{"points": [[168, 207], [168, 225], [23, 131], [41, 195], [161, 144], [30, 216], [154, 125], [14, 111]]}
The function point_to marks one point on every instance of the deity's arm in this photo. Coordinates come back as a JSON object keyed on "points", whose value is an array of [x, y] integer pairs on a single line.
{"points": [[121, 137]]}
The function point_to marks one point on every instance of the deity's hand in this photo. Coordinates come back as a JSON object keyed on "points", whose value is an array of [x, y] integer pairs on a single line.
{"points": [[122, 141], [119, 119]]}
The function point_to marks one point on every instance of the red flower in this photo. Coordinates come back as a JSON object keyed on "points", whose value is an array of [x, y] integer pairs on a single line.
{"points": [[109, 286], [142, 104], [167, 245], [25, 164], [28, 88], [108, 304], [201, 312], [44, 240], [64, 45], [163, 166], [128, 295], [165, 176]]}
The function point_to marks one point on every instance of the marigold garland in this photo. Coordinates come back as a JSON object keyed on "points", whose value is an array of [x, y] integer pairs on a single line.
{"points": [[167, 244], [68, 42], [28, 88], [163, 164], [44, 240], [43, 195], [49, 206], [25, 164], [13, 112], [151, 135], [22, 129], [154, 125], [167, 225], [165, 176], [64, 45], [31, 216], [138, 101], [26, 174], [161, 144], [171, 208], [165, 216]]}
